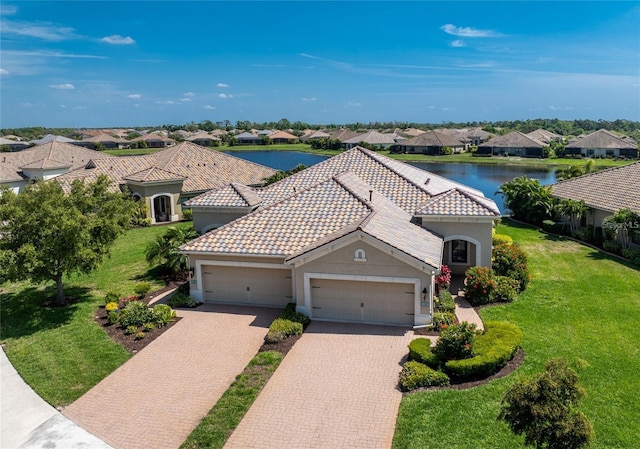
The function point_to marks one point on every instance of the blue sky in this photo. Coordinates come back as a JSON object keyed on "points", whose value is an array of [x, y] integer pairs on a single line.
{"points": [[107, 64]]}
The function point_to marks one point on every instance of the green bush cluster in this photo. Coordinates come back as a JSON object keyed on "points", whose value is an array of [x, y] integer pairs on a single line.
{"points": [[135, 313], [163, 314], [180, 299], [282, 328], [142, 288], [420, 351], [479, 283], [441, 319], [492, 351], [111, 296], [187, 214], [511, 260], [499, 239], [415, 375], [289, 313], [505, 290], [446, 304], [456, 342]]}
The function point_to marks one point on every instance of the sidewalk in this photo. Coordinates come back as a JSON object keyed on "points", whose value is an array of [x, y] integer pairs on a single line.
{"points": [[27, 421], [464, 310]]}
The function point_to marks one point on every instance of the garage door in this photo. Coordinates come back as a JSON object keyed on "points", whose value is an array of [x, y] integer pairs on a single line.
{"points": [[370, 302], [256, 286]]}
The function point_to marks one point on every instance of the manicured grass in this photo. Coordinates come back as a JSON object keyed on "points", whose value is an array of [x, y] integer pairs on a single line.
{"points": [[215, 428], [61, 352], [581, 305]]}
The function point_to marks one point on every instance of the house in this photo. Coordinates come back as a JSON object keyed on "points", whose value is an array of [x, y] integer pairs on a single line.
{"points": [[155, 140], [204, 139], [358, 237], [372, 138], [283, 137], [247, 138], [105, 140], [602, 143], [166, 179], [514, 143], [473, 136], [544, 136], [431, 142], [315, 135], [52, 138], [604, 192], [44, 162], [13, 145]]}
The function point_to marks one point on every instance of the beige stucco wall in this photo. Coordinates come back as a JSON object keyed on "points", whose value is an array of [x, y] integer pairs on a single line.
{"points": [[478, 231], [204, 220], [147, 192]]}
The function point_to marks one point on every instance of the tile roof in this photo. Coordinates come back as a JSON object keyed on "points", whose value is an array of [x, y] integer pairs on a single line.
{"points": [[52, 138], [45, 164], [432, 139], [609, 190], [601, 139], [514, 139], [282, 135], [542, 135], [103, 137], [372, 137], [458, 202], [203, 169], [153, 174]]}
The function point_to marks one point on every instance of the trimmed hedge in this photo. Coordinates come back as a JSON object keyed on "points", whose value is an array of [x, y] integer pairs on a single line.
{"points": [[443, 319], [420, 351], [492, 351], [282, 328], [289, 313], [415, 375], [446, 302], [498, 239]]}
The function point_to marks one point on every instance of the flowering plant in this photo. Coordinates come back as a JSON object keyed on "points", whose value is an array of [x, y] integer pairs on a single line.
{"points": [[456, 342], [111, 306], [444, 278], [479, 283]]}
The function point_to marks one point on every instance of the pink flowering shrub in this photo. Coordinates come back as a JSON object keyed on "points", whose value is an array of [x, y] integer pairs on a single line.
{"points": [[443, 280], [479, 283]]}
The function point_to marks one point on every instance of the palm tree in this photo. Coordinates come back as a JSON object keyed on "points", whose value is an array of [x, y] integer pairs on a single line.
{"points": [[621, 222], [574, 210], [164, 249], [527, 199]]}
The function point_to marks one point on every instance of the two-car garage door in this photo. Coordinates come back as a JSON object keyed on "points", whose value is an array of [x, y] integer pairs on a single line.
{"points": [[359, 301], [244, 285]]}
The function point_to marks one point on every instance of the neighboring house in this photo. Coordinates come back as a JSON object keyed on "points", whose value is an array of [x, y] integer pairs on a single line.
{"points": [[373, 138], [166, 179], [283, 137], [431, 142], [44, 161], [604, 192], [358, 237], [514, 143], [315, 135], [13, 144], [602, 143], [247, 138], [155, 140], [544, 136], [342, 134], [204, 139], [52, 138], [106, 140]]}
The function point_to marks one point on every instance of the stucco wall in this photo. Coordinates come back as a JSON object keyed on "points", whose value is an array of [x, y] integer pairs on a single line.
{"points": [[478, 231], [205, 220]]}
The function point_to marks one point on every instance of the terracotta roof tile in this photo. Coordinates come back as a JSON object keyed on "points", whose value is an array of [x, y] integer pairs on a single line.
{"points": [[601, 139], [153, 174], [459, 202]]}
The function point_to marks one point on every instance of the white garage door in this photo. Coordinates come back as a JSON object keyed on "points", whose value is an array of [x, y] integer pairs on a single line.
{"points": [[256, 286], [369, 302]]}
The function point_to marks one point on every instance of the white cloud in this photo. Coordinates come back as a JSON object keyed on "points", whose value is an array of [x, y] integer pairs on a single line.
{"points": [[4, 72], [134, 96], [468, 31], [66, 86], [353, 104], [309, 99], [8, 10], [458, 43], [63, 106], [189, 94], [136, 105], [166, 102], [186, 99], [116, 39], [79, 108], [225, 96], [40, 30], [560, 108], [208, 106], [51, 54], [222, 85], [445, 109]]}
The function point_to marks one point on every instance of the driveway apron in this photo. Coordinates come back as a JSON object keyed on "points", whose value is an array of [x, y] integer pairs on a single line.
{"points": [[157, 397], [336, 388]]}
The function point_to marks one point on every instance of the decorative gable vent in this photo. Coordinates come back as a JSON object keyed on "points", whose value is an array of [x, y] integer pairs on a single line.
{"points": [[360, 255]]}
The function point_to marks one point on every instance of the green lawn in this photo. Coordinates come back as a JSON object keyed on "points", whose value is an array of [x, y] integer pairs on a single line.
{"points": [[581, 305], [61, 352]]}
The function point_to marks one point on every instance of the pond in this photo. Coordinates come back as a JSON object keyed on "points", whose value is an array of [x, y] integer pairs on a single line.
{"points": [[486, 178]]}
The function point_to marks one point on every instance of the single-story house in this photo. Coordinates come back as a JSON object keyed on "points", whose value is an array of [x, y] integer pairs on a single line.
{"points": [[544, 136], [106, 140], [247, 138], [342, 134], [358, 237], [14, 145], [43, 162], [602, 143], [604, 192], [283, 137], [514, 143], [166, 179], [204, 139], [473, 136], [431, 142], [374, 138], [315, 135], [155, 140], [52, 138]]}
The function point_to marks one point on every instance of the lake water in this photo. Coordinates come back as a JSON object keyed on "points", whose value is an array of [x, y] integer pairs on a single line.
{"points": [[486, 178]]}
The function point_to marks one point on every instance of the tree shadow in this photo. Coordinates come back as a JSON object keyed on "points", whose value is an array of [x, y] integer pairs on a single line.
{"points": [[22, 313], [153, 274]]}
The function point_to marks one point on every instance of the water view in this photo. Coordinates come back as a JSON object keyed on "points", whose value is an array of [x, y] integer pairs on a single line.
{"points": [[486, 178]]}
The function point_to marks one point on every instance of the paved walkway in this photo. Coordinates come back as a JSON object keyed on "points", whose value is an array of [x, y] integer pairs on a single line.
{"points": [[336, 388], [157, 397], [464, 310]]}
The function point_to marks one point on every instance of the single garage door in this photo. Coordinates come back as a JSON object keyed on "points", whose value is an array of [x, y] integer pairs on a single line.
{"points": [[357, 301], [256, 286]]}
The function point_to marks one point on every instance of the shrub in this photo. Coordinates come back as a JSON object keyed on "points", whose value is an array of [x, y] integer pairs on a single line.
{"points": [[613, 246], [135, 313], [415, 375], [479, 283], [420, 351], [492, 350], [111, 297], [180, 299], [148, 327], [511, 260], [443, 280], [126, 300], [446, 304], [289, 313], [499, 239], [112, 317], [139, 335], [162, 314], [282, 328], [187, 214], [456, 342], [130, 330], [506, 289], [441, 319], [142, 288], [111, 306]]}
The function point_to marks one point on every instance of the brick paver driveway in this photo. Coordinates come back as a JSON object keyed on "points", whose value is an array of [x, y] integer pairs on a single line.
{"points": [[158, 396], [335, 389]]}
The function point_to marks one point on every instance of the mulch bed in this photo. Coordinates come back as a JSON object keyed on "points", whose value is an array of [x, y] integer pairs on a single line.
{"points": [[282, 346]]}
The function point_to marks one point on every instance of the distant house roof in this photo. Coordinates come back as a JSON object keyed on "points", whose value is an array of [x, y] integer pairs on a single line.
{"points": [[342, 134], [103, 137], [282, 135], [609, 190], [514, 139], [202, 135], [154, 136], [153, 174], [542, 135], [51, 138], [246, 136], [432, 139], [601, 139], [411, 132], [373, 138], [315, 135]]}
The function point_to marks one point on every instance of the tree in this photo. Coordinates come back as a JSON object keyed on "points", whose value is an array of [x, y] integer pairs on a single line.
{"points": [[47, 233], [164, 249], [527, 199], [620, 223], [574, 210], [544, 409], [281, 174]]}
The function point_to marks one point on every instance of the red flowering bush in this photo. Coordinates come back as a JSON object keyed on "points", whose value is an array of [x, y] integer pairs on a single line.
{"points": [[443, 280], [456, 342], [510, 260], [479, 284]]}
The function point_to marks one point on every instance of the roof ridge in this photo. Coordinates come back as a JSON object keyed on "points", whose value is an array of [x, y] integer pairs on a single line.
{"points": [[379, 161], [351, 192], [596, 172]]}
